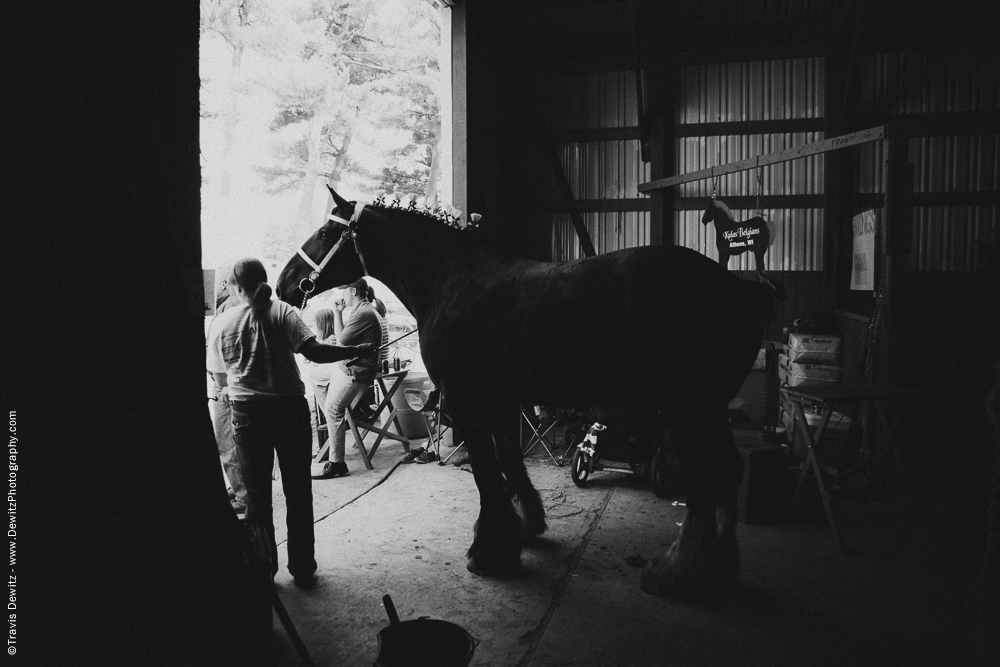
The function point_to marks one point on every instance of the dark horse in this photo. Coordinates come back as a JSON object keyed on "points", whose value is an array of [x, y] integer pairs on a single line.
{"points": [[734, 238], [658, 329]]}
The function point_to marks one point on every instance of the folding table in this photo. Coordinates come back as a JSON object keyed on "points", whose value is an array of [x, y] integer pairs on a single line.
{"points": [[826, 397]]}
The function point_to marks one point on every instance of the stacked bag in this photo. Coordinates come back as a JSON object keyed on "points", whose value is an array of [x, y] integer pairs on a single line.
{"points": [[809, 359]]}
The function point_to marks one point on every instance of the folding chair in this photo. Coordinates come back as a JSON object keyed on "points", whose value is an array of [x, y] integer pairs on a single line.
{"points": [[546, 420], [431, 408], [361, 427]]}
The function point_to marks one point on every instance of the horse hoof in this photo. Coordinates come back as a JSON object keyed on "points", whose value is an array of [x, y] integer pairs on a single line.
{"points": [[665, 579], [534, 528], [698, 565], [501, 569]]}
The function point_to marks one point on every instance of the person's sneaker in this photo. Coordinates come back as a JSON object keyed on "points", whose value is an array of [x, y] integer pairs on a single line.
{"points": [[426, 456], [412, 455]]}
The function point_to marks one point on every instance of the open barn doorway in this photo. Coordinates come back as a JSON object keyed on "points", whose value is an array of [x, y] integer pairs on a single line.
{"points": [[299, 94]]}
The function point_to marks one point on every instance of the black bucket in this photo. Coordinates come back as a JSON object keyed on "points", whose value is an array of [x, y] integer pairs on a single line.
{"points": [[423, 642]]}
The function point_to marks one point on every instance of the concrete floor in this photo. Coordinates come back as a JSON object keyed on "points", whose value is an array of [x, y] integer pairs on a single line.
{"points": [[402, 529]]}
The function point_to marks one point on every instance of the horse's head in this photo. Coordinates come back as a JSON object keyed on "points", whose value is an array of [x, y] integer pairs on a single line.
{"points": [[326, 260], [717, 211]]}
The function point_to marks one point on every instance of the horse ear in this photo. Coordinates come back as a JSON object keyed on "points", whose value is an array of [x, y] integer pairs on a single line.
{"points": [[337, 199]]}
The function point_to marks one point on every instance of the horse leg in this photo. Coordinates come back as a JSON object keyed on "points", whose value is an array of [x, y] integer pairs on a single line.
{"points": [[704, 559], [496, 544], [529, 503]]}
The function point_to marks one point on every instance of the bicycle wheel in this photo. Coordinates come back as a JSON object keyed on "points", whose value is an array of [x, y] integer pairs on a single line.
{"points": [[579, 467]]}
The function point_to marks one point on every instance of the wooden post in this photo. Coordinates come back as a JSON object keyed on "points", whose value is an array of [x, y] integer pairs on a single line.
{"points": [[662, 146], [897, 216], [459, 109], [836, 214]]}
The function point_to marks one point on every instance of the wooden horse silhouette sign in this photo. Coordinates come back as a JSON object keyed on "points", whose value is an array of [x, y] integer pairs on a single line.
{"points": [[734, 238]]}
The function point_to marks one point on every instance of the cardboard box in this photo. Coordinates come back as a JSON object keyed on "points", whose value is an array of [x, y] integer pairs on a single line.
{"points": [[761, 493], [794, 374], [813, 348]]}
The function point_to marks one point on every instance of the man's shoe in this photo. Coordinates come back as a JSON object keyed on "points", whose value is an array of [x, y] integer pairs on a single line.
{"points": [[331, 469], [426, 456], [305, 581], [412, 455]]}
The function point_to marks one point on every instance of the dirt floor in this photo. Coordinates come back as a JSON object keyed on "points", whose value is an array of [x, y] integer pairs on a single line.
{"points": [[896, 597]]}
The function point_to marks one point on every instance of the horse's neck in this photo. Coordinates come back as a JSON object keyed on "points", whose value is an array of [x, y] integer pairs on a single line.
{"points": [[413, 261]]}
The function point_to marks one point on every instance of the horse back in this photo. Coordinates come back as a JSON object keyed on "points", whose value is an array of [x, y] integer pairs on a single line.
{"points": [[593, 331]]}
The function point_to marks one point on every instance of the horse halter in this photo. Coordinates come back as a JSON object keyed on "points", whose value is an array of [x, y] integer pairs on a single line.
{"points": [[351, 232]]}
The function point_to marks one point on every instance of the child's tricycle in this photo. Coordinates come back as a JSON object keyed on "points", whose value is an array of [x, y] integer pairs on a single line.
{"points": [[621, 449]]}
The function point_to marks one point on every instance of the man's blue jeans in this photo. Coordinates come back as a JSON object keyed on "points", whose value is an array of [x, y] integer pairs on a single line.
{"points": [[261, 429]]}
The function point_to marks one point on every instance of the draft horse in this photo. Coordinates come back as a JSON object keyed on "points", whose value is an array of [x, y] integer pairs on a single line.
{"points": [[659, 329]]}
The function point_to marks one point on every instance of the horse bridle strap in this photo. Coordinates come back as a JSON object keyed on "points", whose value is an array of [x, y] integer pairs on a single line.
{"points": [[311, 279], [352, 224]]}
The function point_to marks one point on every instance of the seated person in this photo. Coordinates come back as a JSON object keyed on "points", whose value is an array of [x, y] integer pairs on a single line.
{"points": [[319, 374], [376, 302], [355, 322]]}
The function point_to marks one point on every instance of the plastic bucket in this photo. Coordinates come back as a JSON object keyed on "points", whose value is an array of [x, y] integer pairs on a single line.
{"points": [[424, 642], [412, 422]]}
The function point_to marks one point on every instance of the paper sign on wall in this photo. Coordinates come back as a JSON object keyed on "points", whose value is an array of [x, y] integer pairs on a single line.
{"points": [[863, 266]]}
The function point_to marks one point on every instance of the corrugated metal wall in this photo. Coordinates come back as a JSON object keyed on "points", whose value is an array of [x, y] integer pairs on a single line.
{"points": [[955, 174], [762, 90], [754, 91], [603, 169], [608, 231], [598, 170], [587, 101], [947, 232]]}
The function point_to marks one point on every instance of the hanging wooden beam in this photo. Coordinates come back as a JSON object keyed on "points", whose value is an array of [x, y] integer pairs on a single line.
{"points": [[853, 139]]}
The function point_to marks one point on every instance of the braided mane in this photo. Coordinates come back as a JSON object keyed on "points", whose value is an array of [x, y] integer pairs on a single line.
{"points": [[448, 215]]}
